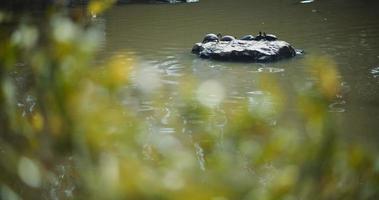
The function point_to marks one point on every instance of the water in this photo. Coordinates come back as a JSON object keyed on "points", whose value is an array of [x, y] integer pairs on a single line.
{"points": [[162, 35]]}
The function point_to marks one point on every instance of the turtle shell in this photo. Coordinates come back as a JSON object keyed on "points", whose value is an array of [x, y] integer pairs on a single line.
{"points": [[227, 38], [248, 37], [210, 38]]}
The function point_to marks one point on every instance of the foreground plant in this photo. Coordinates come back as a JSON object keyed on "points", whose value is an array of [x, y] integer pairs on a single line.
{"points": [[75, 129]]}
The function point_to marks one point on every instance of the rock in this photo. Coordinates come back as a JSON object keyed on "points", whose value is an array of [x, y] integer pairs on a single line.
{"points": [[242, 50]]}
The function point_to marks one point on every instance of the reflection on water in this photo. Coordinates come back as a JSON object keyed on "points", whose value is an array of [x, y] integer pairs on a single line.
{"points": [[375, 72], [337, 106], [162, 36], [270, 69], [27, 105], [260, 102], [307, 1]]}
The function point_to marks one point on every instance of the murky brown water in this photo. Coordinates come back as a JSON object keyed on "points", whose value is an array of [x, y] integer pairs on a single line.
{"points": [[162, 35]]}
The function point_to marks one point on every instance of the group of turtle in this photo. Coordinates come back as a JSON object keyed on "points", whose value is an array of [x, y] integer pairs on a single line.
{"points": [[211, 37]]}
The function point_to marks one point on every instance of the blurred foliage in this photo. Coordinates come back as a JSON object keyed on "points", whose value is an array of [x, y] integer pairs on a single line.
{"points": [[65, 132]]}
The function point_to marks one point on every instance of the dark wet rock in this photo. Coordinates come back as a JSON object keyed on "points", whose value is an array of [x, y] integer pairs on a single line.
{"points": [[243, 50]]}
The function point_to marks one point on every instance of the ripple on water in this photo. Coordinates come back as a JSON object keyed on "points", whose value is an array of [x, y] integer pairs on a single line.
{"points": [[260, 101], [345, 88], [165, 118], [200, 156], [166, 130], [174, 70], [168, 63], [165, 140], [171, 67], [146, 106], [253, 93], [175, 67], [169, 82], [375, 72], [268, 70], [338, 107], [28, 105], [306, 1]]}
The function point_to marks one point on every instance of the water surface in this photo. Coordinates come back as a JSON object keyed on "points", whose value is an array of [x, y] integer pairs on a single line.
{"points": [[347, 31]]}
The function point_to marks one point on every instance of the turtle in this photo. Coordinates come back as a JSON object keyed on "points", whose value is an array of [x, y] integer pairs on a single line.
{"points": [[211, 37], [227, 38], [270, 37], [259, 37], [247, 37]]}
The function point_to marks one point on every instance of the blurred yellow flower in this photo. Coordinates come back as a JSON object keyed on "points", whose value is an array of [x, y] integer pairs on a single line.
{"points": [[325, 71], [96, 7]]}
